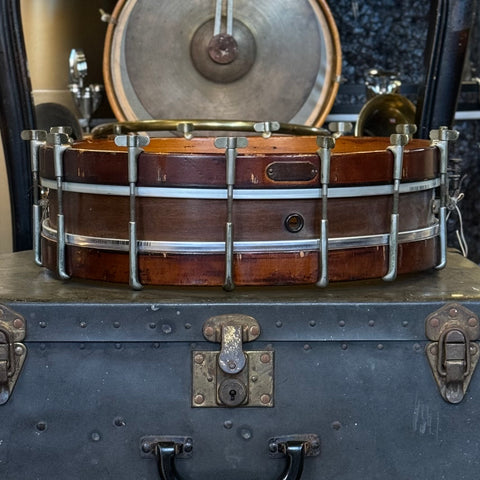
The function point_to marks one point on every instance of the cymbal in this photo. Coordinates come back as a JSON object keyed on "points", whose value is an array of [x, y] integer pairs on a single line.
{"points": [[281, 63]]}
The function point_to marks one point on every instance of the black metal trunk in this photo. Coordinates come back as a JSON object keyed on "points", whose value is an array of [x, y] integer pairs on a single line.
{"points": [[108, 377]]}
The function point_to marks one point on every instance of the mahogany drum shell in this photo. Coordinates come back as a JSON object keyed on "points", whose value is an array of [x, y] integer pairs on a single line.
{"points": [[196, 166]]}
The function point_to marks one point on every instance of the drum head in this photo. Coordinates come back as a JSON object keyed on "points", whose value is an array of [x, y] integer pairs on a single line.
{"points": [[286, 66]]}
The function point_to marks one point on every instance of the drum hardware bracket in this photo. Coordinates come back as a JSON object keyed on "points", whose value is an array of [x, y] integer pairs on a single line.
{"points": [[59, 139], [12, 351], [37, 138], [453, 352], [326, 144], [186, 129], [134, 143], [230, 144], [339, 129], [407, 129], [441, 138], [232, 377], [266, 128], [398, 141]]}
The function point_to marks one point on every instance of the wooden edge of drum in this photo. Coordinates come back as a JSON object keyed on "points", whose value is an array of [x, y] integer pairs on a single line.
{"points": [[334, 69], [107, 75], [279, 145], [264, 269]]}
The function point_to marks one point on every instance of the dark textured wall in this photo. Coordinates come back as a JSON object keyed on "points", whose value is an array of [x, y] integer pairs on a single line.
{"points": [[392, 35]]}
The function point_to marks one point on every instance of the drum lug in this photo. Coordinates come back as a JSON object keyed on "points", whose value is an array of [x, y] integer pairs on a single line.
{"points": [[326, 144], [230, 144], [339, 129], [12, 351], [59, 139], [266, 128], [37, 138], [441, 138], [453, 353], [134, 143], [232, 377], [398, 141]]}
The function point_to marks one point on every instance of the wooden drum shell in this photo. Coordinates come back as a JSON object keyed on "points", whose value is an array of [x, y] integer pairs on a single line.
{"points": [[173, 219]]}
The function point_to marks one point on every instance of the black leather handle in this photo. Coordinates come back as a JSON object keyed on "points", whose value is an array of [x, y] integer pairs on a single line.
{"points": [[294, 450]]}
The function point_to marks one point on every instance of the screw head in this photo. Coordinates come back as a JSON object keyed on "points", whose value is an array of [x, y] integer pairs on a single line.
{"points": [[254, 331], [198, 399], [18, 323], [199, 358], [208, 331], [434, 322], [453, 312], [472, 322], [265, 398], [19, 350], [265, 358]]}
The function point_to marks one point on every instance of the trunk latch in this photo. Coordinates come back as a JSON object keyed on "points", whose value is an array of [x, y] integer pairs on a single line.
{"points": [[453, 353], [232, 377], [12, 352]]}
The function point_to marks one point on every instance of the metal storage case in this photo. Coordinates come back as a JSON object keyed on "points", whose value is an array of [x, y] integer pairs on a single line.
{"points": [[340, 378]]}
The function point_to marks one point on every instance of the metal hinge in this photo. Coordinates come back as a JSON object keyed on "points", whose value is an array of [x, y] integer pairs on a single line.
{"points": [[453, 353], [232, 377], [12, 352]]}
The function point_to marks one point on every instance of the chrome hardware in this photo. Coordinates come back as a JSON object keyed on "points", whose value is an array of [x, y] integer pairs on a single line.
{"points": [[324, 152], [200, 125], [453, 353], [59, 139], [87, 97], [12, 351], [407, 129], [266, 128], [230, 144], [441, 138], [232, 377], [186, 129], [37, 138], [338, 129], [134, 143], [398, 141]]}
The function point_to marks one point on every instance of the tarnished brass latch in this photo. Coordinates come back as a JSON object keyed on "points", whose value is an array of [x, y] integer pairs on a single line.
{"points": [[12, 352], [453, 353], [232, 377]]}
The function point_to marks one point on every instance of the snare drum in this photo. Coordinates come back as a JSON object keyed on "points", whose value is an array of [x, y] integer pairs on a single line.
{"points": [[197, 222]]}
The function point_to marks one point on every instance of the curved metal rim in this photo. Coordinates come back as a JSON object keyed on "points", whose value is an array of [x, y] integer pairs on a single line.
{"points": [[151, 246], [241, 194], [173, 125]]}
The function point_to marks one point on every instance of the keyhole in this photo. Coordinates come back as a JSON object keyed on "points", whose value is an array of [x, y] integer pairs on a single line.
{"points": [[232, 394]]}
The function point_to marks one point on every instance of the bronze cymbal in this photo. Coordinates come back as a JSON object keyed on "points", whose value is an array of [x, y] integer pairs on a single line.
{"points": [[282, 61]]}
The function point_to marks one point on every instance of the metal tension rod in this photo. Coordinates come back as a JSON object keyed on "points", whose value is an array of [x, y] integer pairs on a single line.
{"points": [[324, 152], [60, 141], [398, 141], [230, 144], [441, 138], [133, 143], [36, 138]]}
